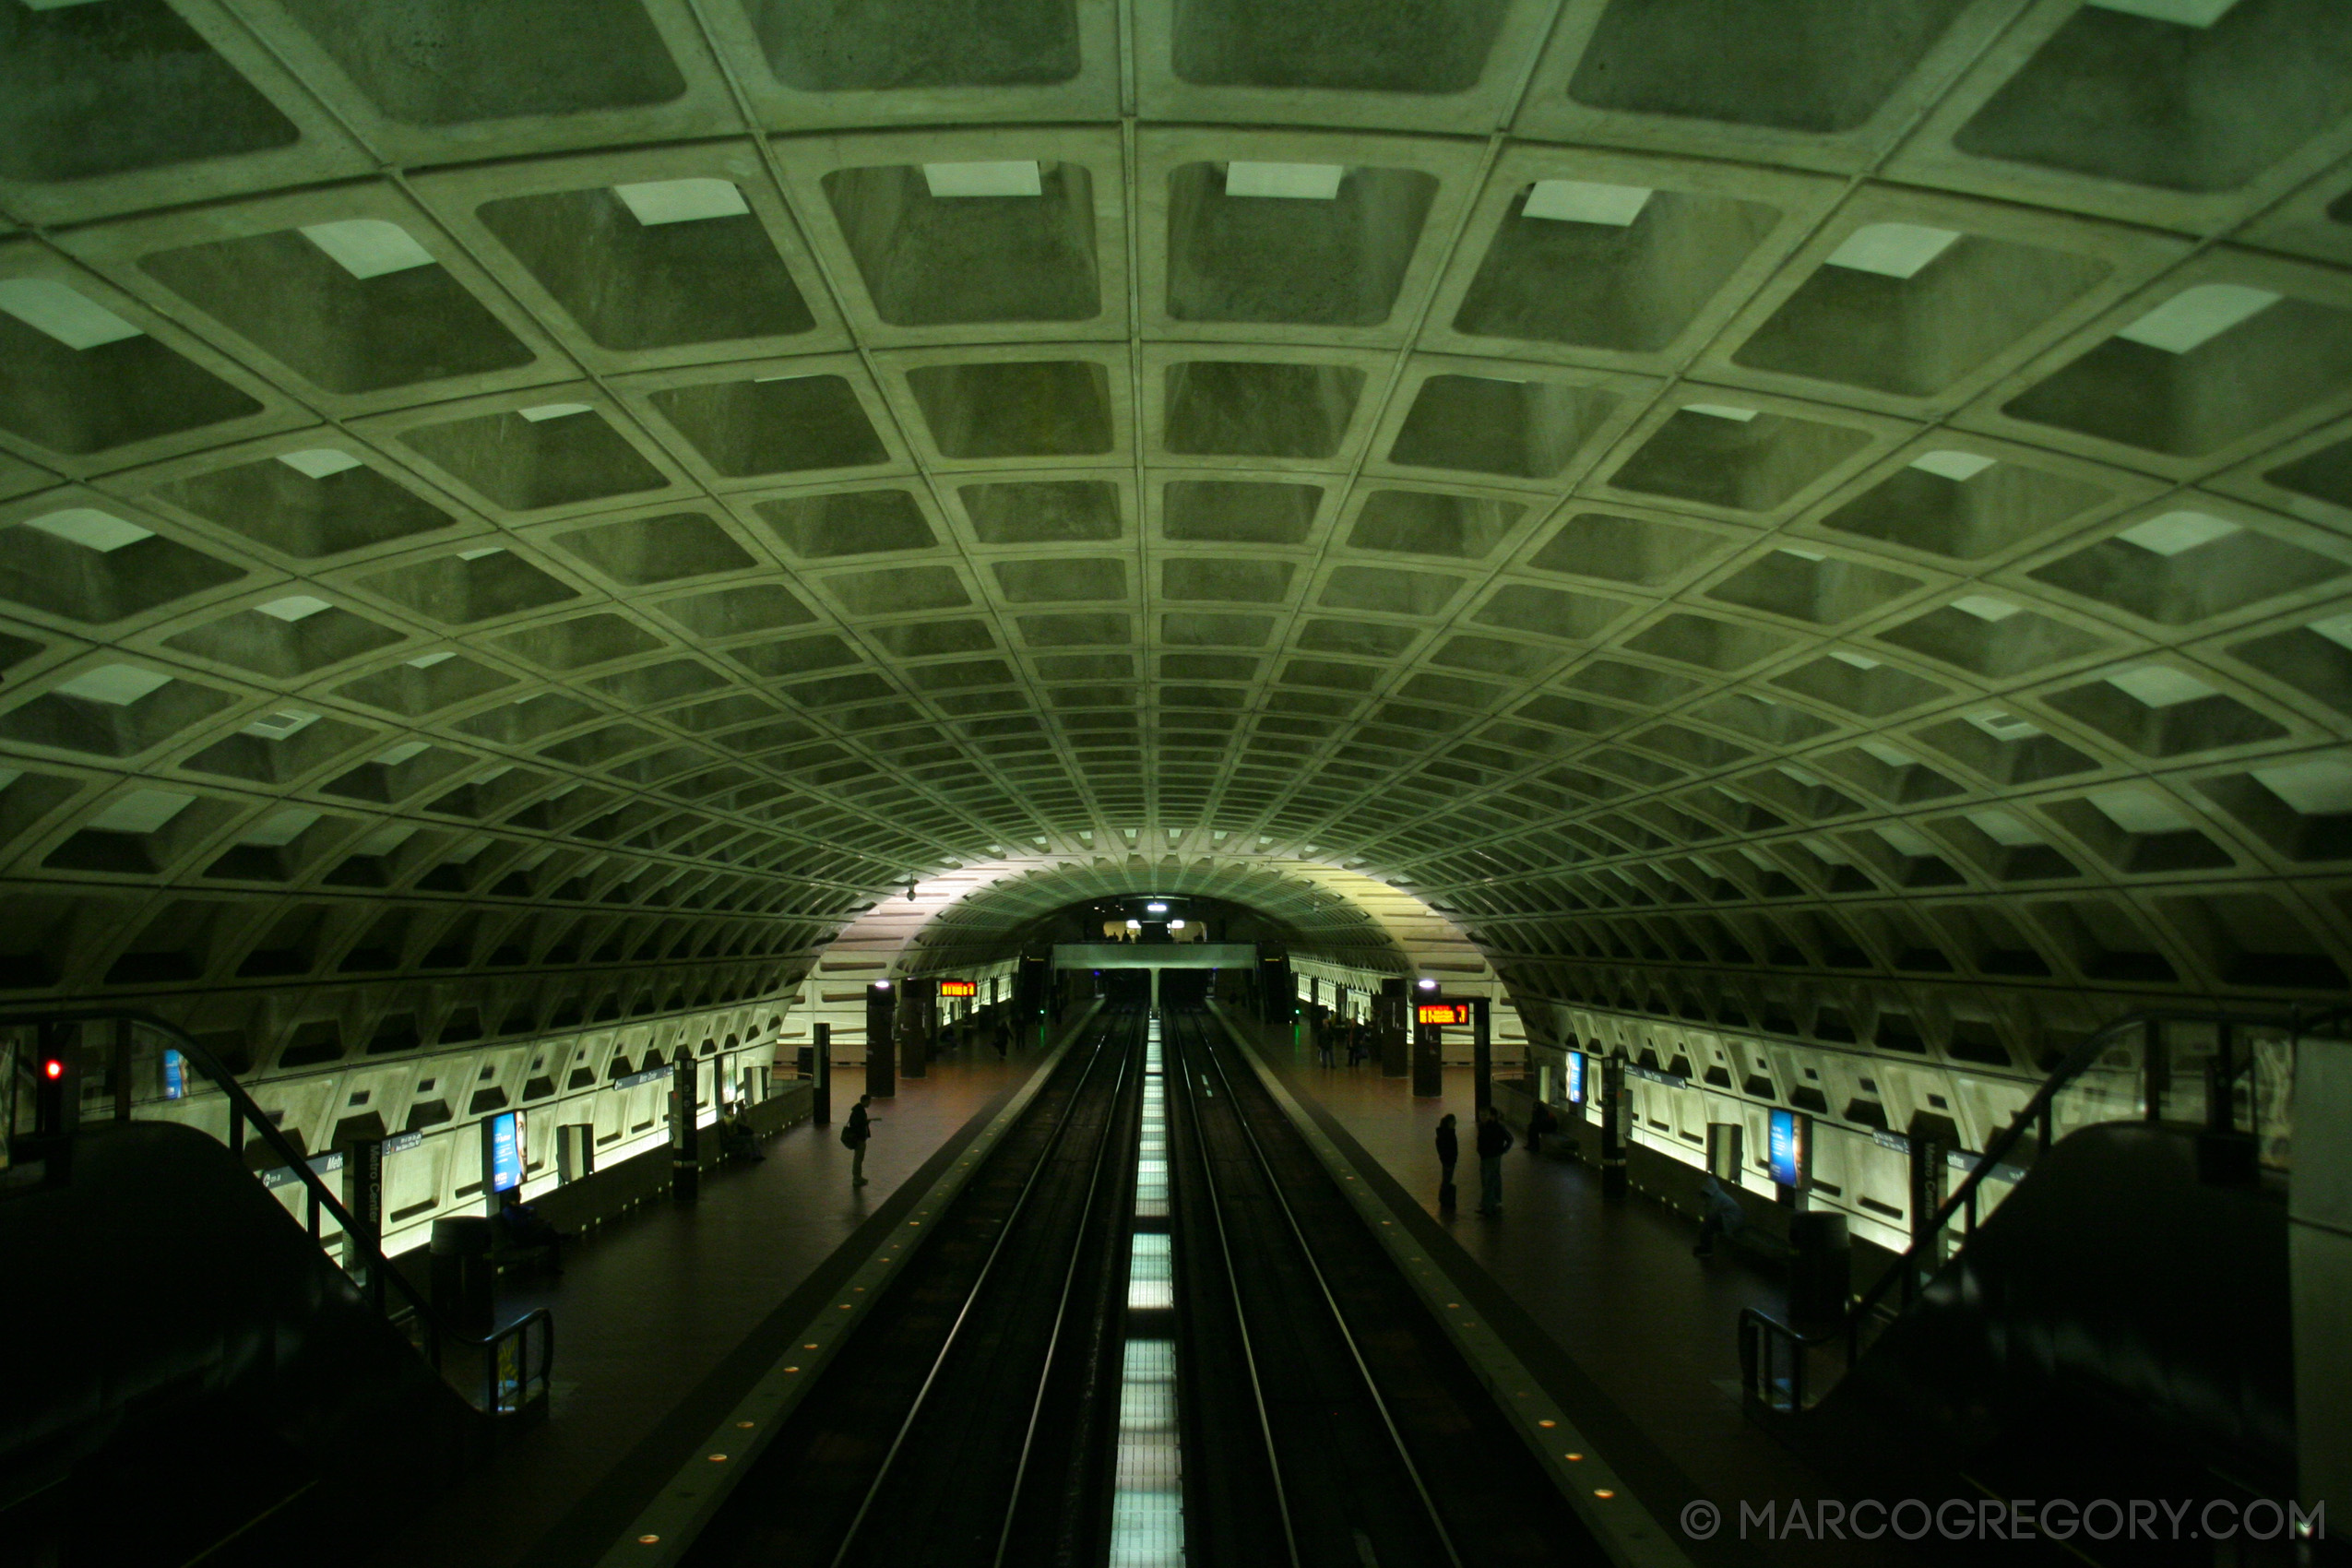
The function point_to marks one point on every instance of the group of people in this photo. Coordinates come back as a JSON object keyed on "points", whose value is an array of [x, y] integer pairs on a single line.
{"points": [[954, 1036], [1334, 1035], [1493, 1141], [1722, 1214]]}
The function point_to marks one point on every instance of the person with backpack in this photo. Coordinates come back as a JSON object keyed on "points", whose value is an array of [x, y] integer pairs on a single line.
{"points": [[854, 1133], [1494, 1142]]}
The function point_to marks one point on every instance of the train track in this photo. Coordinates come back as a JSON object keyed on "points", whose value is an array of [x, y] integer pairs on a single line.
{"points": [[990, 1410], [1374, 1442], [942, 1434]]}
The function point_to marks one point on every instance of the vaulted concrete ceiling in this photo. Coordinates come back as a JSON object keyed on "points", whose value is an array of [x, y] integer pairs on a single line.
{"points": [[1828, 498]]}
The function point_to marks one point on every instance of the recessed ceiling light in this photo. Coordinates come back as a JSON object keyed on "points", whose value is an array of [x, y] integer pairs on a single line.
{"points": [[656, 202], [2195, 316], [2159, 686], [319, 462], [293, 607], [1892, 250], [1015, 177], [1582, 201], [91, 529], [368, 248], [63, 313], [2174, 533], [1309, 182], [2184, 13], [119, 685], [1958, 466]]}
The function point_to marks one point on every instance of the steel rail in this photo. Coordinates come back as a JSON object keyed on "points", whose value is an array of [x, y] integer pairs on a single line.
{"points": [[964, 1311], [1347, 1335], [1061, 1311], [1241, 1314]]}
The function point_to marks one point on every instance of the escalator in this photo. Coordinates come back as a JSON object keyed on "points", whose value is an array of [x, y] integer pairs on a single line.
{"points": [[2120, 1327], [189, 1378], [2118, 1324]]}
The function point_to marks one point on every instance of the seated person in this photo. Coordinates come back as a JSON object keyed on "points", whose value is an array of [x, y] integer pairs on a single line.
{"points": [[736, 1139], [1724, 1217], [525, 1229], [1540, 1120]]}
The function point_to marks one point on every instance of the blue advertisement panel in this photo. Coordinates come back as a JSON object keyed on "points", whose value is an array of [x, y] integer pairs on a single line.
{"points": [[506, 1151], [1787, 1148], [1575, 1077], [175, 1075]]}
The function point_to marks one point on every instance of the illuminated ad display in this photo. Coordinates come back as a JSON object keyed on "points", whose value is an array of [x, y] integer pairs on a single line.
{"points": [[1575, 1077], [1787, 1148], [507, 1151]]}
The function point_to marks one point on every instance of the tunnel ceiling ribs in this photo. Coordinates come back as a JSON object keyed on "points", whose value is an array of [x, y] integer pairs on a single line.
{"points": [[548, 524]]}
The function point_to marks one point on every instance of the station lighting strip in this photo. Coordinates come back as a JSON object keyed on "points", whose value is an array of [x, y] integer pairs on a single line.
{"points": [[1147, 1498]]}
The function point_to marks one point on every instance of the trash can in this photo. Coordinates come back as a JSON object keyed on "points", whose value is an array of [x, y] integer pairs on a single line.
{"points": [[1820, 1268], [464, 1279]]}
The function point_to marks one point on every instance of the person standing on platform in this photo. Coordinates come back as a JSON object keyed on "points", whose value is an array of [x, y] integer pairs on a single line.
{"points": [[1449, 1149], [1494, 1142], [854, 1133]]}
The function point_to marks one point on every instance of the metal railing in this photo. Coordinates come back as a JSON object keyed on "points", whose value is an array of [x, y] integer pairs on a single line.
{"points": [[512, 1385], [1774, 1354]]}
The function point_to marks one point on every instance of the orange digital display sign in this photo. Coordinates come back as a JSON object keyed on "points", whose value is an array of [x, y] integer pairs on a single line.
{"points": [[958, 988], [1441, 1013]]}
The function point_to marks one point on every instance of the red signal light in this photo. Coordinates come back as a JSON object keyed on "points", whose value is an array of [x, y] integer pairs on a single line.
{"points": [[51, 1068]]}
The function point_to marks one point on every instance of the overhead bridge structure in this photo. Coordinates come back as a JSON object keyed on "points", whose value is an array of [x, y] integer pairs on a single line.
{"points": [[1154, 956]]}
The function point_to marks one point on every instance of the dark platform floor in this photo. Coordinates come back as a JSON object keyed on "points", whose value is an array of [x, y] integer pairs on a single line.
{"points": [[664, 1316]]}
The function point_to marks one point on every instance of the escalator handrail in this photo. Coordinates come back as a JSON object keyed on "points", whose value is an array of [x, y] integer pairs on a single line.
{"points": [[2077, 1062], [242, 1105]]}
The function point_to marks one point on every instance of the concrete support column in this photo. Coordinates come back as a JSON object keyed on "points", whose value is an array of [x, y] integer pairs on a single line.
{"points": [[918, 1013], [1481, 1055], [1391, 1010], [685, 1134], [2319, 1256], [1429, 1061], [1614, 1133], [821, 1073], [882, 1040]]}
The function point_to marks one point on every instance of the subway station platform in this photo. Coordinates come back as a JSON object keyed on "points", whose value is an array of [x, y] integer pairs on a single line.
{"points": [[1602, 1301], [667, 1313]]}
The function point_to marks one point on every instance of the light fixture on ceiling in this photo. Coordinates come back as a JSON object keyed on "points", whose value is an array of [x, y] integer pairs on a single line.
{"points": [[1155, 909], [1428, 985], [910, 892]]}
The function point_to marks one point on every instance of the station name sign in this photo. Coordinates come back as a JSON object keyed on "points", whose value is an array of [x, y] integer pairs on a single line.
{"points": [[958, 988], [1442, 1014]]}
